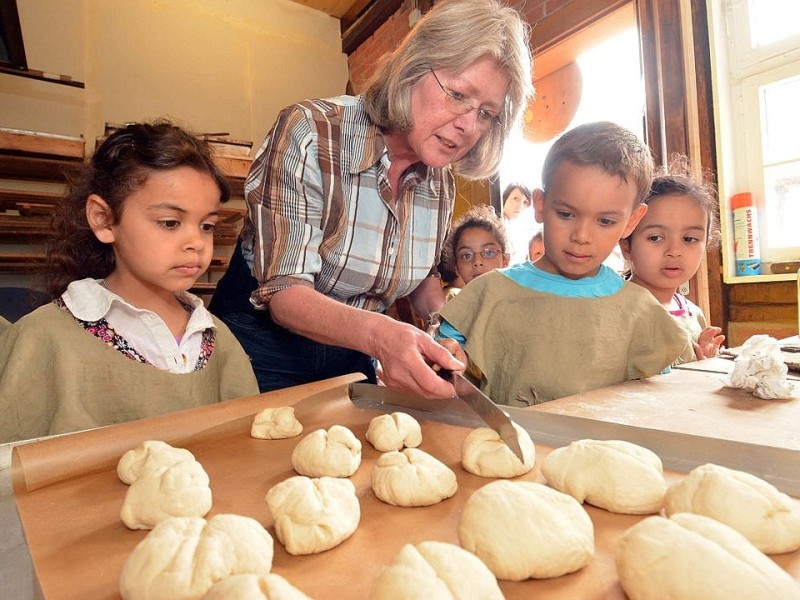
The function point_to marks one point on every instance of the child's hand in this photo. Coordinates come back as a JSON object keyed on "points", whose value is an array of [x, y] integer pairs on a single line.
{"points": [[708, 343], [455, 349]]}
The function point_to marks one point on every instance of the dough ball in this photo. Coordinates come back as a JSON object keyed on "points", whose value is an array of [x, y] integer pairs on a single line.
{"points": [[525, 530], [433, 570], [767, 517], [182, 557], [693, 557], [152, 457], [181, 490], [314, 515], [412, 477], [612, 474], [276, 424], [394, 431], [254, 587], [486, 455], [332, 453]]}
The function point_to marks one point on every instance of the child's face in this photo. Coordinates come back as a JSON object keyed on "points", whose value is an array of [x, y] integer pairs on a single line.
{"points": [[165, 236], [535, 249], [514, 204], [470, 262], [667, 246], [584, 214]]}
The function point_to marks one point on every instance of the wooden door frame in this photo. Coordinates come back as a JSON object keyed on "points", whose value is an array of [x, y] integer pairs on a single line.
{"points": [[679, 107]]}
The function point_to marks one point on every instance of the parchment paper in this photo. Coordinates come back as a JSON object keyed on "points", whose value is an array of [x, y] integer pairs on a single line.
{"points": [[69, 499]]}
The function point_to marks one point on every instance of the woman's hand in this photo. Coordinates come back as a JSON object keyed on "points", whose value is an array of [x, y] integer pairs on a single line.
{"points": [[708, 343], [407, 354]]}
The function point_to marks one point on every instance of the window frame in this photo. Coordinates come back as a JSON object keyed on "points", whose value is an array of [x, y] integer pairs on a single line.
{"points": [[739, 71]]}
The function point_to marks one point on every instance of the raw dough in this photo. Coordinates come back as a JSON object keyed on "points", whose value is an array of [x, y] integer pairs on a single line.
{"points": [[165, 482], [332, 453], [693, 557], [153, 457], [254, 587], [314, 515], [276, 424], [433, 571], [412, 477], [767, 517], [182, 557], [485, 454], [181, 490], [612, 474], [522, 530], [394, 431]]}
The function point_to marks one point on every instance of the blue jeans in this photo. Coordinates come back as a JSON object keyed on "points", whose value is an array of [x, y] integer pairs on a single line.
{"points": [[279, 357], [282, 359]]}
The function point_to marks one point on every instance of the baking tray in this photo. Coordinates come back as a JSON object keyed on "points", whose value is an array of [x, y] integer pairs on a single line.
{"points": [[69, 499]]}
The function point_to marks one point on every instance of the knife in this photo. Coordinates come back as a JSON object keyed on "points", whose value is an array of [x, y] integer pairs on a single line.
{"points": [[487, 410], [457, 409]]}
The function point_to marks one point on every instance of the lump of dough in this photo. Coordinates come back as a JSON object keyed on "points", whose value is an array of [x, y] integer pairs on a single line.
{"points": [[612, 474], [412, 477], [332, 453], [151, 457], [181, 490], [182, 557], [486, 455], [525, 530], [313, 515], [693, 557], [767, 517], [254, 587], [432, 570], [276, 424], [394, 431]]}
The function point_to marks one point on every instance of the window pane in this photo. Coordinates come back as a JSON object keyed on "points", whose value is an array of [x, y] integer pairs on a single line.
{"points": [[782, 202], [780, 129], [773, 20]]}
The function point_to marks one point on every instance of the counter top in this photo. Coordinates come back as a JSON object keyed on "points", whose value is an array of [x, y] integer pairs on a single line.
{"points": [[56, 480]]}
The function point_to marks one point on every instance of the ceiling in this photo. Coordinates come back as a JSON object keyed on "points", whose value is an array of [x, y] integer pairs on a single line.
{"points": [[359, 18], [335, 8]]}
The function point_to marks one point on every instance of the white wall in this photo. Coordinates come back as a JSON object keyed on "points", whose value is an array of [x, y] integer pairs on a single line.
{"points": [[210, 65]]}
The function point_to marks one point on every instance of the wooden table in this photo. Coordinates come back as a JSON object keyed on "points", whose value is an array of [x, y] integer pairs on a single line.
{"points": [[69, 496]]}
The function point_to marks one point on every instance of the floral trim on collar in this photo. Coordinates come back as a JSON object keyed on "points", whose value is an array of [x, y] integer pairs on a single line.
{"points": [[106, 334]]}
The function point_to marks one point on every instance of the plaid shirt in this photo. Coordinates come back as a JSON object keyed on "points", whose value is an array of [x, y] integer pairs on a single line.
{"points": [[321, 214]]}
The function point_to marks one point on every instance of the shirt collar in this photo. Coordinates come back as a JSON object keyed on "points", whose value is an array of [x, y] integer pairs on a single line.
{"points": [[88, 300], [371, 149]]}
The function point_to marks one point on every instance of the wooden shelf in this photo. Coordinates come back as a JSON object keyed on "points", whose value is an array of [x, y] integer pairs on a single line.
{"points": [[25, 214]]}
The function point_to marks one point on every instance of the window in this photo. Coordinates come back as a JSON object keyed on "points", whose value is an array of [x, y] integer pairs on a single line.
{"points": [[595, 76], [756, 57]]}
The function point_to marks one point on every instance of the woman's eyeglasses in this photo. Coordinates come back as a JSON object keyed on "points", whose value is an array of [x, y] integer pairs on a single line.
{"points": [[459, 104], [466, 256]]}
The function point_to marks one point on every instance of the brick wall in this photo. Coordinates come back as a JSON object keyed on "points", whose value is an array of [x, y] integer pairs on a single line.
{"points": [[363, 60]]}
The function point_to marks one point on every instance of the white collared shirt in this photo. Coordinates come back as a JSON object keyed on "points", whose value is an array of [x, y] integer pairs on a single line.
{"points": [[146, 332]]}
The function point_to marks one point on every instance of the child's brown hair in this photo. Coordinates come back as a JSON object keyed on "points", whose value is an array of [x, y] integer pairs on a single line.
{"points": [[608, 146]]}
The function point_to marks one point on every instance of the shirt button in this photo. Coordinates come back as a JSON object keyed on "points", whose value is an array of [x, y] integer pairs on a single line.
{"points": [[391, 250]]}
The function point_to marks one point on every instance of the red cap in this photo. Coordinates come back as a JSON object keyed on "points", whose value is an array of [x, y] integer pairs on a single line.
{"points": [[741, 200]]}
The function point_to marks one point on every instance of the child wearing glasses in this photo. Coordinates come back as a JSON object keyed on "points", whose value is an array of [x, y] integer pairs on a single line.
{"points": [[569, 324], [476, 244]]}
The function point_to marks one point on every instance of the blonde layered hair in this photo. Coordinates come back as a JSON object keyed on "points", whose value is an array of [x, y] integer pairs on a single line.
{"points": [[453, 35]]}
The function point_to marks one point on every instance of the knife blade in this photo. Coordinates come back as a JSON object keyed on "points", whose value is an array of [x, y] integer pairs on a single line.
{"points": [[487, 410], [457, 409]]}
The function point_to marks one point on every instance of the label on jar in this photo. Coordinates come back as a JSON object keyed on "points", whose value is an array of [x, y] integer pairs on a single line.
{"points": [[746, 242]]}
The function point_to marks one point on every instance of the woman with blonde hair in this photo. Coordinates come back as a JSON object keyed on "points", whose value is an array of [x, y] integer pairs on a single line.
{"points": [[350, 199]]}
